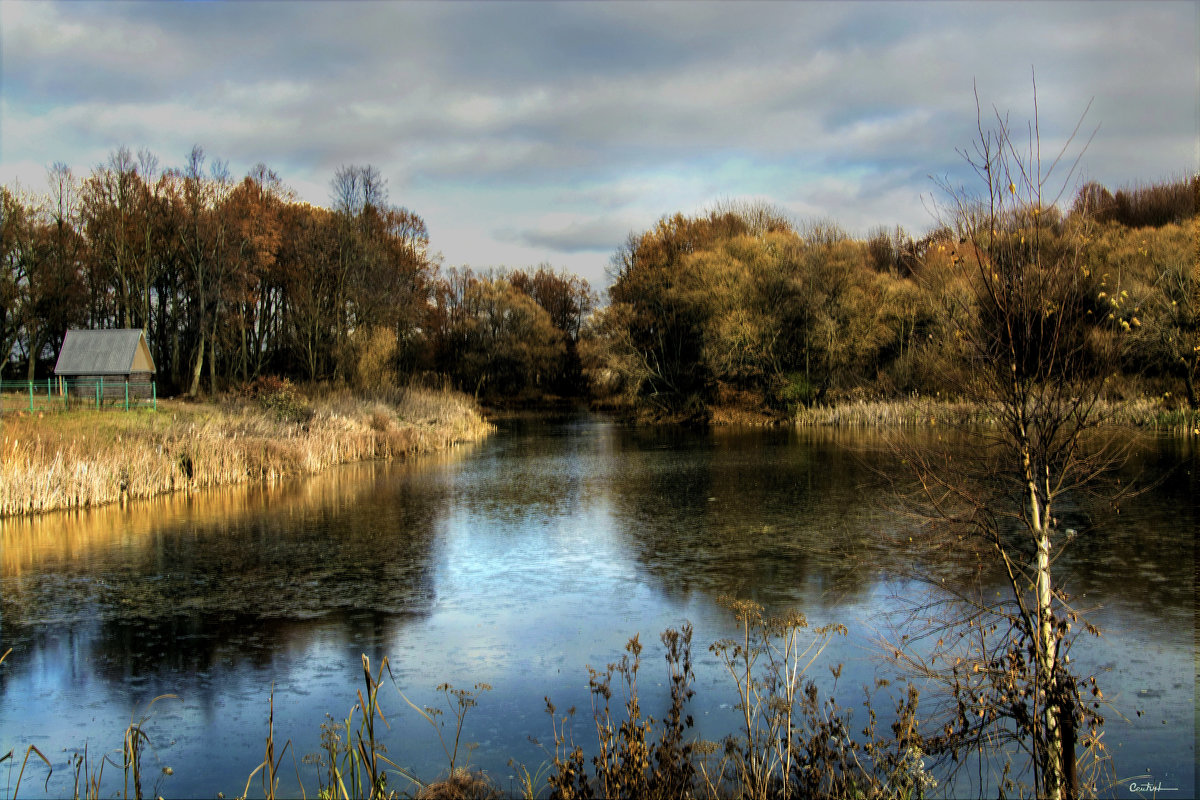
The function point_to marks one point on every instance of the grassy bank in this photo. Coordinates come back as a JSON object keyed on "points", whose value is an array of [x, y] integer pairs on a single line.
{"points": [[80, 459]]}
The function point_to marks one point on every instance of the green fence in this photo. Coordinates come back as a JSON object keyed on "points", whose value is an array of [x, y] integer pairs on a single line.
{"points": [[67, 394]]}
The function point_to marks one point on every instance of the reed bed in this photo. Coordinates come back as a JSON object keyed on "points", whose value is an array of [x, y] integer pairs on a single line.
{"points": [[1140, 412], [82, 459], [1150, 412], [910, 412]]}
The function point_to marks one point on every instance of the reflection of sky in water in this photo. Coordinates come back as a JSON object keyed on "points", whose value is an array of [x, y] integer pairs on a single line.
{"points": [[515, 564]]}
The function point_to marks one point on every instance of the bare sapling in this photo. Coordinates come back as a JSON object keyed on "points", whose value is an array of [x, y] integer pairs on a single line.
{"points": [[1035, 354]]}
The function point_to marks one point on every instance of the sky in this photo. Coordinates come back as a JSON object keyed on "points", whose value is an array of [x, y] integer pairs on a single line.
{"points": [[547, 132]]}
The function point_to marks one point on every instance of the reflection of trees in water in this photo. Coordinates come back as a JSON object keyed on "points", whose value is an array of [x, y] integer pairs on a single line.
{"points": [[200, 590], [1142, 553], [536, 470], [785, 517], [186, 652], [1137, 555], [756, 514]]}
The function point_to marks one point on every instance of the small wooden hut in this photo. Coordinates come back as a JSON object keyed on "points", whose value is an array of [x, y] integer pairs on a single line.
{"points": [[109, 359]]}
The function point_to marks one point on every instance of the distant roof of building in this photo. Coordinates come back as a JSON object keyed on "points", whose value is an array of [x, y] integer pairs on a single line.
{"points": [[111, 352]]}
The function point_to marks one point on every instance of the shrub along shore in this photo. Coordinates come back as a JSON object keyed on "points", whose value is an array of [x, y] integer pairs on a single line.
{"points": [[81, 459]]}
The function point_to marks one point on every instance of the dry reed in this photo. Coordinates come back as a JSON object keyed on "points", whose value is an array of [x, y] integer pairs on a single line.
{"points": [[82, 459], [911, 412], [1142, 412]]}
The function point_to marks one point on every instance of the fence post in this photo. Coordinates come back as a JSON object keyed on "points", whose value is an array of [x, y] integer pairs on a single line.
{"points": [[49, 390], [98, 384], [66, 390], [127, 394], [31, 397], [154, 394]]}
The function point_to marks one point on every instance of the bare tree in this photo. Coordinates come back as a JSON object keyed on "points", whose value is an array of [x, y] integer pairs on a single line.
{"points": [[205, 238], [59, 301], [110, 200], [1036, 359], [356, 188]]}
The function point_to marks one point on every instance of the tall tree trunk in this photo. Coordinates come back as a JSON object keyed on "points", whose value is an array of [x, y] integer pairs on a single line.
{"points": [[243, 354], [176, 356], [212, 355], [197, 368], [1067, 726], [1047, 644], [35, 347]]}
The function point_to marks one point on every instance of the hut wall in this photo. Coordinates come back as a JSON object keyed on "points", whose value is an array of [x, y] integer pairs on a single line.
{"points": [[112, 386]]}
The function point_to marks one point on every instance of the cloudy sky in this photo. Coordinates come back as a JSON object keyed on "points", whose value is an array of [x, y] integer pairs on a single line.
{"points": [[531, 132]]}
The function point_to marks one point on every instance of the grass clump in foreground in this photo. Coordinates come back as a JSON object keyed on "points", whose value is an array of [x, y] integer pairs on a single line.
{"points": [[80, 459], [788, 742]]}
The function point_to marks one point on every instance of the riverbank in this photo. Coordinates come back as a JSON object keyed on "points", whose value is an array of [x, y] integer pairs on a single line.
{"points": [[80, 459], [1151, 413]]}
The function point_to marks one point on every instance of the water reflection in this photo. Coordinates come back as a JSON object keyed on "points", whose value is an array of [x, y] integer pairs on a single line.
{"points": [[749, 513], [515, 563], [1142, 554], [177, 584]]}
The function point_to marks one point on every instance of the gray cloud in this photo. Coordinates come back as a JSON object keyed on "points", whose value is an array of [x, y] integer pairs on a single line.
{"points": [[603, 110], [602, 234]]}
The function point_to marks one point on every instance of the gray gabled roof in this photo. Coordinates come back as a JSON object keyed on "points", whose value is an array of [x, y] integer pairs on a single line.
{"points": [[102, 352]]}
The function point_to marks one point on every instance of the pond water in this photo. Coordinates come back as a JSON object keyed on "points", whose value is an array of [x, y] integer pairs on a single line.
{"points": [[518, 562]]}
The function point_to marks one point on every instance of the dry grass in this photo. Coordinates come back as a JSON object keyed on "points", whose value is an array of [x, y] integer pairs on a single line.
{"points": [[462, 784], [911, 412], [1142, 412], [1150, 412], [80, 459]]}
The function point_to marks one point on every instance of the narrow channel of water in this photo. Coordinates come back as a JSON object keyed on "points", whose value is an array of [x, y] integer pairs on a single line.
{"points": [[517, 562]]}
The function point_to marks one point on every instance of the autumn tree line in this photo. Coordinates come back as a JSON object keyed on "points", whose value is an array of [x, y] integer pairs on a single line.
{"points": [[236, 279], [740, 306]]}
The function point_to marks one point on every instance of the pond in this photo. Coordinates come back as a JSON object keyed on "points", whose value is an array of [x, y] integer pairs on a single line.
{"points": [[518, 562]]}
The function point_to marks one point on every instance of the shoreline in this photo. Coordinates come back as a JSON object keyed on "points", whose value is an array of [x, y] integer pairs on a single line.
{"points": [[85, 459], [61, 461], [1143, 413]]}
